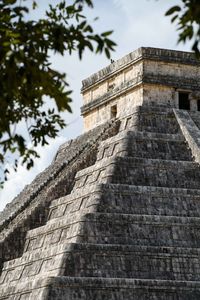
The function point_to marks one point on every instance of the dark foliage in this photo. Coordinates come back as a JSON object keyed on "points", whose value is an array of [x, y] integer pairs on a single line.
{"points": [[187, 17], [26, 74]]}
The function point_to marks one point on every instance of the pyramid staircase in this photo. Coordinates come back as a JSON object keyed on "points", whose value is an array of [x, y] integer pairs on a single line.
{"points": [[130, 228]]}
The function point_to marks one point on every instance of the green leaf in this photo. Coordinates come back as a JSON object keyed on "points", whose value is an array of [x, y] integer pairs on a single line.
{"points": [[173, 10], [174, 18], [34, 5], [107, 33], [9, 1], [107, 52]]}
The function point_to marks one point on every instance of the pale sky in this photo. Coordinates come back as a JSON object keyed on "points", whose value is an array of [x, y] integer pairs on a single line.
{"points": [[136, 23]]}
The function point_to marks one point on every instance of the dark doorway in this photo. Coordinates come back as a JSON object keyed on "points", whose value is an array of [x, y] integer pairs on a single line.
{"points": [[184, 102], [198, 104], [113, 111]]}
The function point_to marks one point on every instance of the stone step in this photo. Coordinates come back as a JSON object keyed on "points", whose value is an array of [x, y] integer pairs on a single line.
{"points": [[28, 289], [161, 173], [85, 198], [117, 261], [110, 228], [111, 261], [122, 289], [55, 232], [148, 200], [140, 135], [63, 287], [36, 262], [119, 198], [145, 145], [150, 119], [141, 230], [160, 121], [139, 171]]}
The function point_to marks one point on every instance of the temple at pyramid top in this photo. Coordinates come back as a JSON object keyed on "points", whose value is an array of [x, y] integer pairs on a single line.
{"points": [[146, 76]]}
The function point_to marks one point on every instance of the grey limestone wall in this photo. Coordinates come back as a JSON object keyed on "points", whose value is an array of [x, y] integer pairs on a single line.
{"points": [[129, 228], [30, 208]]}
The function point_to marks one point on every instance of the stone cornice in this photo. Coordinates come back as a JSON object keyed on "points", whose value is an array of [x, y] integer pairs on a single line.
{"points": [[171, 81], [123, 88], [112, 69], [171, 56]]}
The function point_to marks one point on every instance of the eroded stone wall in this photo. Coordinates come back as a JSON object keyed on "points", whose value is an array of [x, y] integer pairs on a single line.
{"points": [[159, 94], [124, 102]]}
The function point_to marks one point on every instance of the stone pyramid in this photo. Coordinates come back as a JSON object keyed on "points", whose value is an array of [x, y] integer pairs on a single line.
{"points": [[116, 216]]}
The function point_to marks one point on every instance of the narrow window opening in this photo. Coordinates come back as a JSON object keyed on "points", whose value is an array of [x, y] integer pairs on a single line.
{"points": [[184, 102], [198, 104], [113, 111]]}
